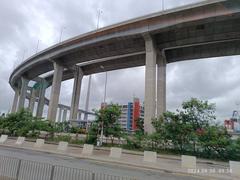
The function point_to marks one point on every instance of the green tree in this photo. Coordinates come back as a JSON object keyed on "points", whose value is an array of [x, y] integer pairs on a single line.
{"points": [[181, 128], [173, 129], [108, 118], [198, 113]]}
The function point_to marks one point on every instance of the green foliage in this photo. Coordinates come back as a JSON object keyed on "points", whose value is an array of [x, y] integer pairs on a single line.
{"points": [[22, 122], [66, 138], [198, 113], [140, 126], [190, 130], [174, 128], [214, 141], [233, 150], [93, 133], [135, 141], [62, 127]]}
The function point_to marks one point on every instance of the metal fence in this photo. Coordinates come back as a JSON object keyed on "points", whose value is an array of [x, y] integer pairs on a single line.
{"points": [[17, 169]]}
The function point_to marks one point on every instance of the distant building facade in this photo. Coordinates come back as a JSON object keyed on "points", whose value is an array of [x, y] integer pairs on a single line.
{"points": [[131, 112]]}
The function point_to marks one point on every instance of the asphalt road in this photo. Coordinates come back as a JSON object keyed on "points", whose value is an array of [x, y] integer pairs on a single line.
{"points": [[91, 165]]}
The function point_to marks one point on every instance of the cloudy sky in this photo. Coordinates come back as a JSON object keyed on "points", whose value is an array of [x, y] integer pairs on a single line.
{"points": [[24, 23]]}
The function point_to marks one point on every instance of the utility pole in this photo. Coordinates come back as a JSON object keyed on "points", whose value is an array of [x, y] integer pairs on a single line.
{"points": [[104, 102], [105, 86], [105, 89], [104, 98]]}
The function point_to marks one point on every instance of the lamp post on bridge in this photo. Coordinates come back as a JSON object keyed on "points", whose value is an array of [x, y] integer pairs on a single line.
{"points": [[98, 17], [61, 33], [37, 46]]}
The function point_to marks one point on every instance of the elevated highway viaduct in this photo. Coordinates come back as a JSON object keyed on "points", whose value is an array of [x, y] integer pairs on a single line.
{"points": [[203, 30]]}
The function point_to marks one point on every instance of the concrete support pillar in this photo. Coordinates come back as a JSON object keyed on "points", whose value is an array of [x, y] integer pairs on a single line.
{"points": [[150, 84], [78, 75], [23, 93], [55, 92], [60, 115], [161, 85], [32, 100], [64, 118], [15, 102], [41, 97]]}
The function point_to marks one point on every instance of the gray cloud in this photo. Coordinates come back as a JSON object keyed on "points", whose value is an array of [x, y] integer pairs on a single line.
{"points": [[26, 22]]}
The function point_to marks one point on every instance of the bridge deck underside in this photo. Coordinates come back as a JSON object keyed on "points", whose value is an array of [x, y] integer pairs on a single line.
{"points": [[203, 39]]}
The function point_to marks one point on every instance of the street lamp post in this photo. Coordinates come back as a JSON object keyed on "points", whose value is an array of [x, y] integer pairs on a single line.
{"points": [[88, 98], [105, 89], [104, 102]]}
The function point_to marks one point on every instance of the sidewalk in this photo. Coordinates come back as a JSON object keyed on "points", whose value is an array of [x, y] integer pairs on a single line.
{"points": [[165, 163]]}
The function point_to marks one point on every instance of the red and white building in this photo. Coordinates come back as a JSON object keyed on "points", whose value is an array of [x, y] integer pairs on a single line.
{"points": [[131, 112]]}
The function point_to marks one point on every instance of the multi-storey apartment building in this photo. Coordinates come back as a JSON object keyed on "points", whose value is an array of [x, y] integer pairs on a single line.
{"points": [[131, 112]]}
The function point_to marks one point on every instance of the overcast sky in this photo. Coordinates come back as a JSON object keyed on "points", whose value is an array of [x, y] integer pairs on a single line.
{"points": [[24, 22]]}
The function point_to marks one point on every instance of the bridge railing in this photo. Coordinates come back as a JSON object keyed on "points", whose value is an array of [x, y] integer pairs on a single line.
{"points": [[18, 169]]}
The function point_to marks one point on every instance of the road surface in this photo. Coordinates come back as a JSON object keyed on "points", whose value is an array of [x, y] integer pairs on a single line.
{"points": [[91, 165]]}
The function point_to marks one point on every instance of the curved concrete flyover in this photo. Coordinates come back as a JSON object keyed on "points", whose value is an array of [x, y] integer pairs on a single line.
{"points": [[203, 30], [62, 116]]}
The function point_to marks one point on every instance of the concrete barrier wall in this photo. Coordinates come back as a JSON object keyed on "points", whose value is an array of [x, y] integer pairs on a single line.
{"points": [[62, 146], [115, 152], [20, 140], [150, 156], [235, 168], [189, 162], [39, 143], [3, 138], [87, 149]]}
